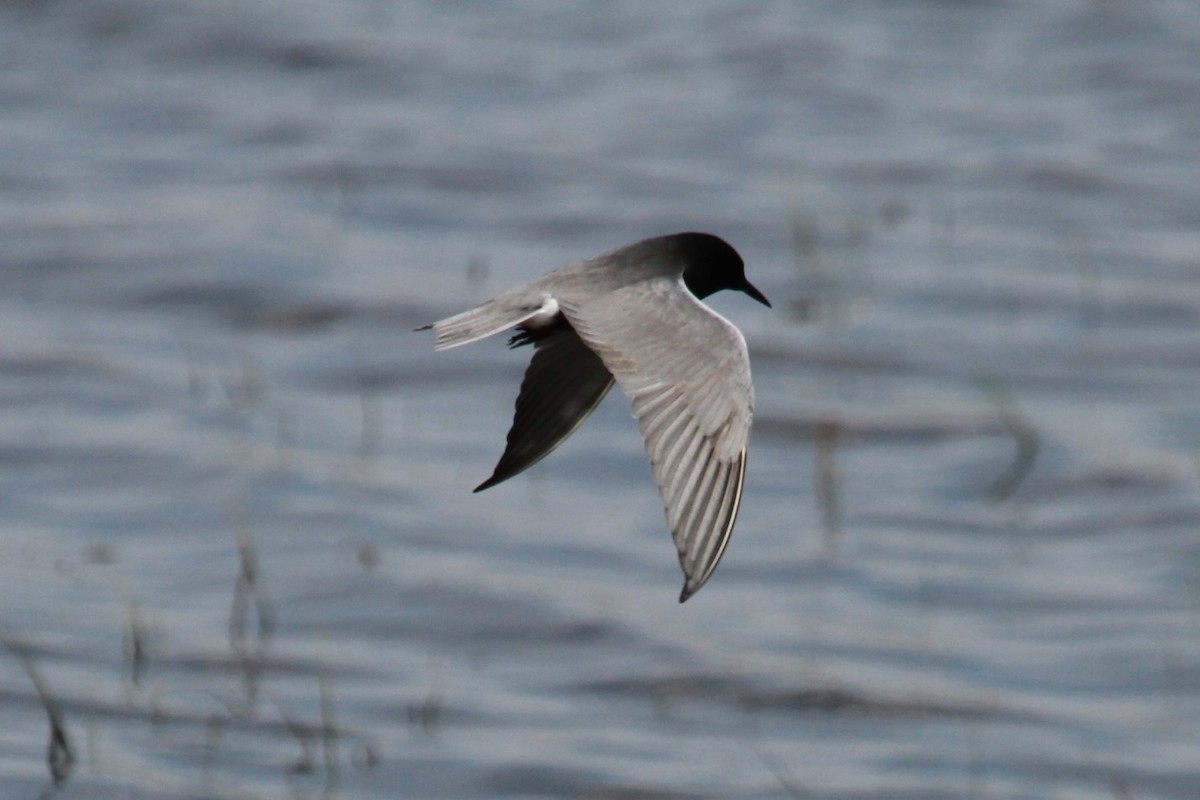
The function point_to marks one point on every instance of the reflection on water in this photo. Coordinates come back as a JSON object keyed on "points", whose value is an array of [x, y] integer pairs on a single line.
{"points": [[240, 553]]}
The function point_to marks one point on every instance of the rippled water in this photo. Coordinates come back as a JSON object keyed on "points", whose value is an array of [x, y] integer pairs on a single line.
{"points": [[240, 554]]}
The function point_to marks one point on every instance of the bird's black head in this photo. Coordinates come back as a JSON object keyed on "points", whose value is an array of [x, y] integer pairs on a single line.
{"points": [[711, 264]]}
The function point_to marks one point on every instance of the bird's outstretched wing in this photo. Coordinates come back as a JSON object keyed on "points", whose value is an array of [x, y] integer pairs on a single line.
{"points": [[688, 373], [563, 384]]}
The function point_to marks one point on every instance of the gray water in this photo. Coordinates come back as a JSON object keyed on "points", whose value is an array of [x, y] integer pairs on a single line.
{"points": [[240, 556]]}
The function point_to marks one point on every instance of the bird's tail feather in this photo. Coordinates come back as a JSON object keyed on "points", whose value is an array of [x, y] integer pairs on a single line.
{"points": [[502, 313]]}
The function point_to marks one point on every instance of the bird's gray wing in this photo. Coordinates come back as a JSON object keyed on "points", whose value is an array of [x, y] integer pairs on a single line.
{"points": [[688, 373], [563, 384]]}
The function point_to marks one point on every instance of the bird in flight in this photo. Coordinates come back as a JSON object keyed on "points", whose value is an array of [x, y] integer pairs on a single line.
{"points": [[634, 315]]}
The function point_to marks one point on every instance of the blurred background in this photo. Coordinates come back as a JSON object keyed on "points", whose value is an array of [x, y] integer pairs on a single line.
{"points": [[239, 553]]}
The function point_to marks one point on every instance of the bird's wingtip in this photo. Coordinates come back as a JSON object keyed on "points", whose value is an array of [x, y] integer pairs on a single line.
{"points": [[686, 593], [424, 328]]}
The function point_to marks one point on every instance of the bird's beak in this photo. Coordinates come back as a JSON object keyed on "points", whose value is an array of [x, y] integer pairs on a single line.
{"points": [[749, 289]]}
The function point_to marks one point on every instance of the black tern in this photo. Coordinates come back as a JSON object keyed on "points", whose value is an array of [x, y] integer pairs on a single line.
{"points": [[633, 314]]}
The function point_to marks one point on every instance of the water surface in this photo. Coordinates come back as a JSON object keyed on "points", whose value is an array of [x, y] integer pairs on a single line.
{"points": [[240, 555]]}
